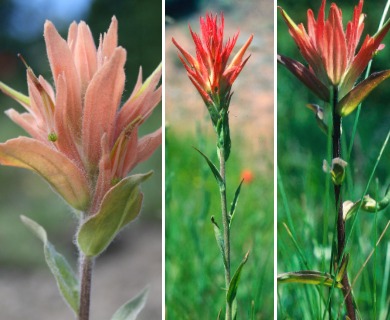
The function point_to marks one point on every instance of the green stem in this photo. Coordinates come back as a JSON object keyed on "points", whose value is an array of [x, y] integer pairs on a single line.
{"points": [[226, 230], [86, 264], [336, 146]]}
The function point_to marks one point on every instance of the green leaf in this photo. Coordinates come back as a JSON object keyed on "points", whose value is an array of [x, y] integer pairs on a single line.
{"points": [[120, 206], [219, 238], [309, 277], [234, 203], [214, 169], [353, 98], [66, 279], [343, 268], [233, 286], [234, 309], [131, 309]]}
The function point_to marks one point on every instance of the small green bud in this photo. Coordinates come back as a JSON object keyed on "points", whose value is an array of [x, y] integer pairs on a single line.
{"points": [[52, 137], [337, 170]]}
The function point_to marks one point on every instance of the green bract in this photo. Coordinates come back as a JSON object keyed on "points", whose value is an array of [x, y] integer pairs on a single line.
{"points": [[121, 205]]}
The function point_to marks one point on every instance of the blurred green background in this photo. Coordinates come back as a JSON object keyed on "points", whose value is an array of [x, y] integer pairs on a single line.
{"points": [[301, 148], [22, 192], [193, 267]]}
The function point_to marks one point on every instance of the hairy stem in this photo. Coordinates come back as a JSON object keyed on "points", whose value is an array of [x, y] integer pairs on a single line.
{"points": [[336, 146], [226, 230], [85, 290]]}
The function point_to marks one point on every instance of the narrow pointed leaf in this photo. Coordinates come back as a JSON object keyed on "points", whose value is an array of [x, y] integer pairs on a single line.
{"points": [[120, 206], [233, 286], [131, 309], [309, 277], [306, 76], [351, 100], [60, 172], [342, 269], [219, 238], [214, 170], [66, 279], [234, 203]]}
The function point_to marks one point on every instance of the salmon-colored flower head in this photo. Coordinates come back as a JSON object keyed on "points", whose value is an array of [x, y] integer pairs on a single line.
{"points": [[330, 50], [82, 142], [210, 71]]}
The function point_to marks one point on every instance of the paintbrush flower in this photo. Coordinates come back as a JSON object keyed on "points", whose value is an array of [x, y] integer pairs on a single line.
{"points": [[210, 71], [82, 142], [332, 55]]}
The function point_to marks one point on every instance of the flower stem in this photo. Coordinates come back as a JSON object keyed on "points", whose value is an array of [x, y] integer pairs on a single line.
{"points": [[336, 146], [226, 230], [85, 290]]}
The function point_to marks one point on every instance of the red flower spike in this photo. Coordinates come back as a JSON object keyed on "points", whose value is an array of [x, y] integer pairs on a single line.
{"points": [[330, 51], [209, 71]]}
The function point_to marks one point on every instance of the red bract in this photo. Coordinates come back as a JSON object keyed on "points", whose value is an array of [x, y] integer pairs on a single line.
{"points": [[209, 71], [330, 51], [82, 142]]}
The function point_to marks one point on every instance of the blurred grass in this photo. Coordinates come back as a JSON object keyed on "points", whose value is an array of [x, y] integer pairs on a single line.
{"points": [[22, 192], [301, 149], [193, 267]]}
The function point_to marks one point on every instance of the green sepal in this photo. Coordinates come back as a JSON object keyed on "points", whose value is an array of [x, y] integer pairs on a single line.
{"points": [[67, 281], [223, 132], [309, 277], [353, 98], [219, 238], [319, 113], [120, 206], [131, 309], [234, 203], [233, 286], [214, 170]]}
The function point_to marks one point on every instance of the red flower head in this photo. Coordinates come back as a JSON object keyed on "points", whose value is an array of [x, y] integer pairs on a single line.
{"points": [[82, 142], [330, 50], [209, 71]]}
